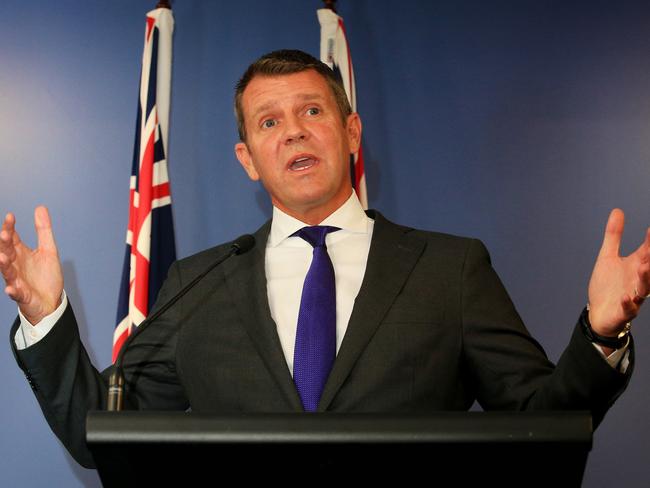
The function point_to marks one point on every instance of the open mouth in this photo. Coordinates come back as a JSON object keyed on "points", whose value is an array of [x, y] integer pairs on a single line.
{"points": [[302, 163]]}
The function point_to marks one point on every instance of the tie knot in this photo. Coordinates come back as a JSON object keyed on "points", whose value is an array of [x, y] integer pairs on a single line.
{"points": [[315, 235]]}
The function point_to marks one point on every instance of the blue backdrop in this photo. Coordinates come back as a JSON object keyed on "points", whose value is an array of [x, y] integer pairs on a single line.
{"points": [[520, 123]]}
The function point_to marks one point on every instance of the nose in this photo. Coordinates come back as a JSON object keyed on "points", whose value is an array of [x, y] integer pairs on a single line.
{"points": [[295, 132], [293, 138]]}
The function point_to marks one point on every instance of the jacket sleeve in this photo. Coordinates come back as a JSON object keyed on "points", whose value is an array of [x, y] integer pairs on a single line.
{"points": [[511, 369], [67, 385], [64, 382]]}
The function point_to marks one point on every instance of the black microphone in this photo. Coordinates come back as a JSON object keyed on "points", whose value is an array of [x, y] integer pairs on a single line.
{"points": [[115, 400]]}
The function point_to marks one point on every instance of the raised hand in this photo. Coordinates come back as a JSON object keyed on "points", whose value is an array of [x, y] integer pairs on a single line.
{"points": [[33, 277], [619, 284]]}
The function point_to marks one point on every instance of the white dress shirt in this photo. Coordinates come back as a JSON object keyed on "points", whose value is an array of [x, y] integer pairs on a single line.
{"points": [[288, 260], [28, 334]]}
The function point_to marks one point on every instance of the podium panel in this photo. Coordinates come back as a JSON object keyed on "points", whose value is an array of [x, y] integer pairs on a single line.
{"points": [[511, 449]]}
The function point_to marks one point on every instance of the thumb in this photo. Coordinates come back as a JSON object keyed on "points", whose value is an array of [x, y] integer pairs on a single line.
{"points": [[613, 233], [43, 226]]}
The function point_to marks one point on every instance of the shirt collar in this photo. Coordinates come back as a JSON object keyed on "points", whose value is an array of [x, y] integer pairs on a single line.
{"points": [[349, 217]]}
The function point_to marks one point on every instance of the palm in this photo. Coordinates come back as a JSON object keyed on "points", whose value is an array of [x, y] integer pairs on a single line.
{"points": [[33, 277], [617, 282]]}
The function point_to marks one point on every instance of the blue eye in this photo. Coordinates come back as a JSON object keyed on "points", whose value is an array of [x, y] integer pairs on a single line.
{"points": [[313, 111], [267, 124]]}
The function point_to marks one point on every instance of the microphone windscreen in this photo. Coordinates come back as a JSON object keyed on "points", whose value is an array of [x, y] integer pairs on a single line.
{"points": [[243, 244]]}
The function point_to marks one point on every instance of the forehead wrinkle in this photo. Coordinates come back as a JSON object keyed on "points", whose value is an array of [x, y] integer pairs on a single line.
{"points": [[303, 97]]}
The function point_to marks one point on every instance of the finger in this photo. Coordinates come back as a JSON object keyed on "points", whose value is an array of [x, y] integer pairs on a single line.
{"points": [[9, 238], [43, 226], [7, 270], [7, 247], [9, 222], [630, 309], [613, 233], [7, 230], [643, 251], [644, 248], [15, 293], [11, 292], [643, 287]]}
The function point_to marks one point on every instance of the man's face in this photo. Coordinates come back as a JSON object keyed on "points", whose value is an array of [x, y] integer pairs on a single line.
{"points": [[297, 143]]}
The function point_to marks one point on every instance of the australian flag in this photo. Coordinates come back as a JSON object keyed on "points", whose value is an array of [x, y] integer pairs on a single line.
{"points": [[150, 247], [335, 52]]}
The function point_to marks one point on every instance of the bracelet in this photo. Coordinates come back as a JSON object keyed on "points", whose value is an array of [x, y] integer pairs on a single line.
{"points": [[611, 342]]}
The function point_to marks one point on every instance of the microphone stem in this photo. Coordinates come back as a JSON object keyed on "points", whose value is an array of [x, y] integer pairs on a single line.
{"points": [[115, 399]]}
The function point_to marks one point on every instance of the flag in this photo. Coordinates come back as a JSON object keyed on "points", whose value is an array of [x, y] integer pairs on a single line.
{"points": [[150, 247], [335, 52]]}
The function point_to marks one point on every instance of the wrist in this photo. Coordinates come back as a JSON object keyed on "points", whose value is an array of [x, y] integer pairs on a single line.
{"points": [[610, 342], [35, 317]]}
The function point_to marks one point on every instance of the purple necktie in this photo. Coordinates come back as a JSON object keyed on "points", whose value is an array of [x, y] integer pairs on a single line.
{"points": [[316, 333]]}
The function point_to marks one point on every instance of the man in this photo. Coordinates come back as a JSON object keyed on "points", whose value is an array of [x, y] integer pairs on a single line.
{"points": [[422, 322]]}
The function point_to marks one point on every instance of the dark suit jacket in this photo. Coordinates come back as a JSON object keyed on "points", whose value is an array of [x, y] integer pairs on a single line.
{"points": [[432, 329]]}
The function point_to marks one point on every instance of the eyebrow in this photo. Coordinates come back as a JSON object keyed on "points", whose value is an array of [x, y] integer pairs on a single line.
{"points": [[305, 97]]}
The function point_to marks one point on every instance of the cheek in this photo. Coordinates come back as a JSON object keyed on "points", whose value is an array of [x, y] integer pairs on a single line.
{"points": [[270, 173], [268, 152], [262, 158]]}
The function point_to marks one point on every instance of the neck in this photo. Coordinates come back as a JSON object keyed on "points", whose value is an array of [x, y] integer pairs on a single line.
{"points": [[316, 214], [310, 217]]}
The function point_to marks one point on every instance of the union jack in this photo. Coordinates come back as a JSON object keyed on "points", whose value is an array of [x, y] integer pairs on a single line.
{"points": [[335, 52], [150, 247]]}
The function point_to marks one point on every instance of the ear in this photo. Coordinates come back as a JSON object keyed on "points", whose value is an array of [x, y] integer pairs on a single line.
{"points": [[245, 159], [353, 130]]}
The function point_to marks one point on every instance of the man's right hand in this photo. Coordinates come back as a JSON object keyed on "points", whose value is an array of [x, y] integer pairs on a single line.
{"points": [[33, 277]]}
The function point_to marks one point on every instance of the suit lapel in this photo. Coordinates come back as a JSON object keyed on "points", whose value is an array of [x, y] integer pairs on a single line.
{"points": [[392, 257], [246, 280]]}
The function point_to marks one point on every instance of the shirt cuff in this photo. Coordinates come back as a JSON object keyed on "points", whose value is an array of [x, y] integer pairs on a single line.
{"points": [[28, 334], [619, 359]]}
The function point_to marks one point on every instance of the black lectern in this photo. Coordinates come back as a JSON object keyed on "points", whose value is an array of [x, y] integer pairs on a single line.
{"points": [[448, 448]]}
